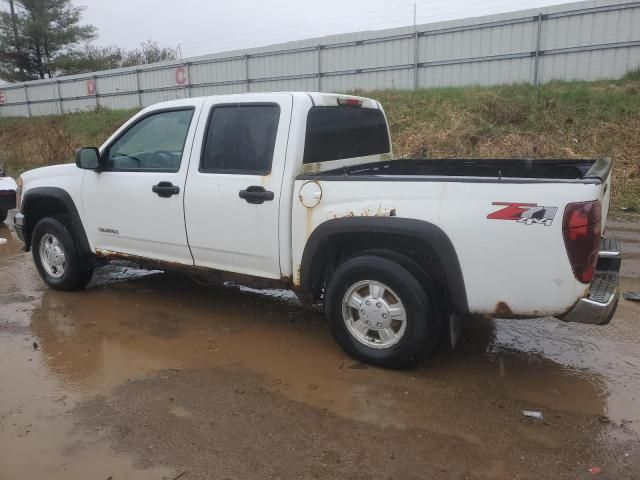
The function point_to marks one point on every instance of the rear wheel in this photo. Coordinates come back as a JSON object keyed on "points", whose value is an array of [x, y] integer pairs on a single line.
{"points": [[57, 258], [3, 215], [380, 313]]}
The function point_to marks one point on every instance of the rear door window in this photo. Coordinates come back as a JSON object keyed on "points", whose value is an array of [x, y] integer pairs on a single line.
{"points": [[240, 139], [334, 133]]}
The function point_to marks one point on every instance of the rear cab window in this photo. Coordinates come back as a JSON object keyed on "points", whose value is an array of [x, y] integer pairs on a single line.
{"points": [[336, 133]]}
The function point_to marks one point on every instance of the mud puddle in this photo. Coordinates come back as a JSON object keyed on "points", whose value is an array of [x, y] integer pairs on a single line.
{"points": [[150, 375]]}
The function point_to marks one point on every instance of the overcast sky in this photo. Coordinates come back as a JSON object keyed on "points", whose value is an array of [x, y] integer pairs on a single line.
{"points": [[202, 26]]}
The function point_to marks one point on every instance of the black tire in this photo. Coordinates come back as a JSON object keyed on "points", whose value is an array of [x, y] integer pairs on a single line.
{"points": [[77, 272], [422, 322], [3, 215]]}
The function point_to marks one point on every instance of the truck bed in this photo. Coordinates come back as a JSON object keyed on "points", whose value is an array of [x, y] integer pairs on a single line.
{"points": [[488, 170]]}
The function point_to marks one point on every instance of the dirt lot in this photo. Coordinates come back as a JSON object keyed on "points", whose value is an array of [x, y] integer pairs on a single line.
{"points": [[148, 375]]}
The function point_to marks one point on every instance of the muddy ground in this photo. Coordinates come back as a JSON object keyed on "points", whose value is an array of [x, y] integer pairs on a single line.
{"points": [[147, 375]]}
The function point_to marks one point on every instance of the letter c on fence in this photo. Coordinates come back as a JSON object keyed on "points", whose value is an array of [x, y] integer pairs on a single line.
{"points": [[91, 87], [181, 76]]}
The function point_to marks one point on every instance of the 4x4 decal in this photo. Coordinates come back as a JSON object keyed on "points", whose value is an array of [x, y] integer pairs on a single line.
{"points": [[527, 213]]}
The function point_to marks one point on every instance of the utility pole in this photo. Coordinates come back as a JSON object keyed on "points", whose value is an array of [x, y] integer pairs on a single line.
{"points": [[415, 20]]}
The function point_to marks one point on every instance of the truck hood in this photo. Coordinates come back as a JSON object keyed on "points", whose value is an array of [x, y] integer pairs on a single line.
{"points": [[7, 183], [68, 169]]}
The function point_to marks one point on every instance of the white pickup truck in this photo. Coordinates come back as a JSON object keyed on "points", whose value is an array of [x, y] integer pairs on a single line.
{"points": [[302, 189]]}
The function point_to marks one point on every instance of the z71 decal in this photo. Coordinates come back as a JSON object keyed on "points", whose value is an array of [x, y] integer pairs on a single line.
{"points": [[527, 213]]}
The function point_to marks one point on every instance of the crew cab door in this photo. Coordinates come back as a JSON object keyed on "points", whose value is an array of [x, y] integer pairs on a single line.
{"points": [[134, 205], [232, 199]]}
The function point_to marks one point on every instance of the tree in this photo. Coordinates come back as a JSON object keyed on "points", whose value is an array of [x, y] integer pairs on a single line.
{"points": [[90, 58], [14, 24], [15, 62], [149, 52], [36, 34]]}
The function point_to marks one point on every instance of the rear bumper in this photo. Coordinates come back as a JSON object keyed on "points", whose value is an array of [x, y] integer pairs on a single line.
{"points": [[18, 225], [601, 301]]}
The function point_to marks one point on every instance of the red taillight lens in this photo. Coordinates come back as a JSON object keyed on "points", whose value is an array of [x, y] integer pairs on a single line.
{"points": [[349, 102], [581, 230]]}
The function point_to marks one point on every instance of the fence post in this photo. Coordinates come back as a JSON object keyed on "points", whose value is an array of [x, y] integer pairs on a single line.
{"points": [[187, 67], [26, 98], [246, 72], [415, 50], [95, 85], [59, 96], [138, 88], [536, 68], [319, 68]]}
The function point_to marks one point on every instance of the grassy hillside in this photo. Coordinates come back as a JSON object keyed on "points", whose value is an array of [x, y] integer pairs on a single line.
{"points": [[560, 119]]}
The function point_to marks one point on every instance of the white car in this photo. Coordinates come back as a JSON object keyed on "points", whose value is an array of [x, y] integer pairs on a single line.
{"points": [[301, 190], [8, 189]]}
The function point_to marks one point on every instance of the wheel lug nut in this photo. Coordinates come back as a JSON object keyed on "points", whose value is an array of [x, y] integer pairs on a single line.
{"points": [[368, 302], [378, 304], [368, 322], [362, 312], [379, 324]]}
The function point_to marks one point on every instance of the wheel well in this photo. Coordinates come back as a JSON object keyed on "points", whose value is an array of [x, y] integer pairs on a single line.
{"points": [[41, 202], [417, 255], [37, 209]]}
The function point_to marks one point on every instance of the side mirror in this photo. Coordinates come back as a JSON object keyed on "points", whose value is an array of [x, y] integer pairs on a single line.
{"points": [[88, 158]]}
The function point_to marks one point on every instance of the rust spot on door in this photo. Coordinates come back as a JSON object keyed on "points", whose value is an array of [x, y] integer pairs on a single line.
{"points": [[502, 309]]}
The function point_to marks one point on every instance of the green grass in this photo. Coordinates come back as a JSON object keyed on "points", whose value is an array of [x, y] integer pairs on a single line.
{"points": [[555, 120], [29, 143], [632, 75], [95, 127]]}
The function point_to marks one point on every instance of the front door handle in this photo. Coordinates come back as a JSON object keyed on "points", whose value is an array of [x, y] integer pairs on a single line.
{"points": [[256, 195], [165, 189]]}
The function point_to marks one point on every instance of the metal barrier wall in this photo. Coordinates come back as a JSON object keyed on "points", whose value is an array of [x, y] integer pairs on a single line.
{"points": [[578, 41]]}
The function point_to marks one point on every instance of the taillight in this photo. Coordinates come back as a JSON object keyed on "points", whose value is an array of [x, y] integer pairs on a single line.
{"points": [[581, 230]]}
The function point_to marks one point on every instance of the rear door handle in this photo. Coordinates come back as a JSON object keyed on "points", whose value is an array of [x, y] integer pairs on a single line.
{"points": [[256, 195], [165, 189]]}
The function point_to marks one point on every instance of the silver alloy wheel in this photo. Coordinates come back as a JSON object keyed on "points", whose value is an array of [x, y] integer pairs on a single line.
{"points": [[374, 314], [52, 256]]}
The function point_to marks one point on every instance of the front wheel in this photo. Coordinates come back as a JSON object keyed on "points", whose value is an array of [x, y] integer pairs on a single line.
{"points": [[57, 258], [380, 313]]}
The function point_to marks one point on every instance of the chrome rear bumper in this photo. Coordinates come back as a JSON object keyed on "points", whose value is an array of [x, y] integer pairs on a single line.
{"points": [[601, 301], [18, 225]]}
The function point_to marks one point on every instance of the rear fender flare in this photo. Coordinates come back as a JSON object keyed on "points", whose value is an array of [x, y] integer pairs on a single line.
{"points": [[424, 232]]}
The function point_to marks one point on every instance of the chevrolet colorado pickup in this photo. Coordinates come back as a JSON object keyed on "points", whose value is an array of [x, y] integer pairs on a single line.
{"points": [[8, 190], [302, 190]]}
